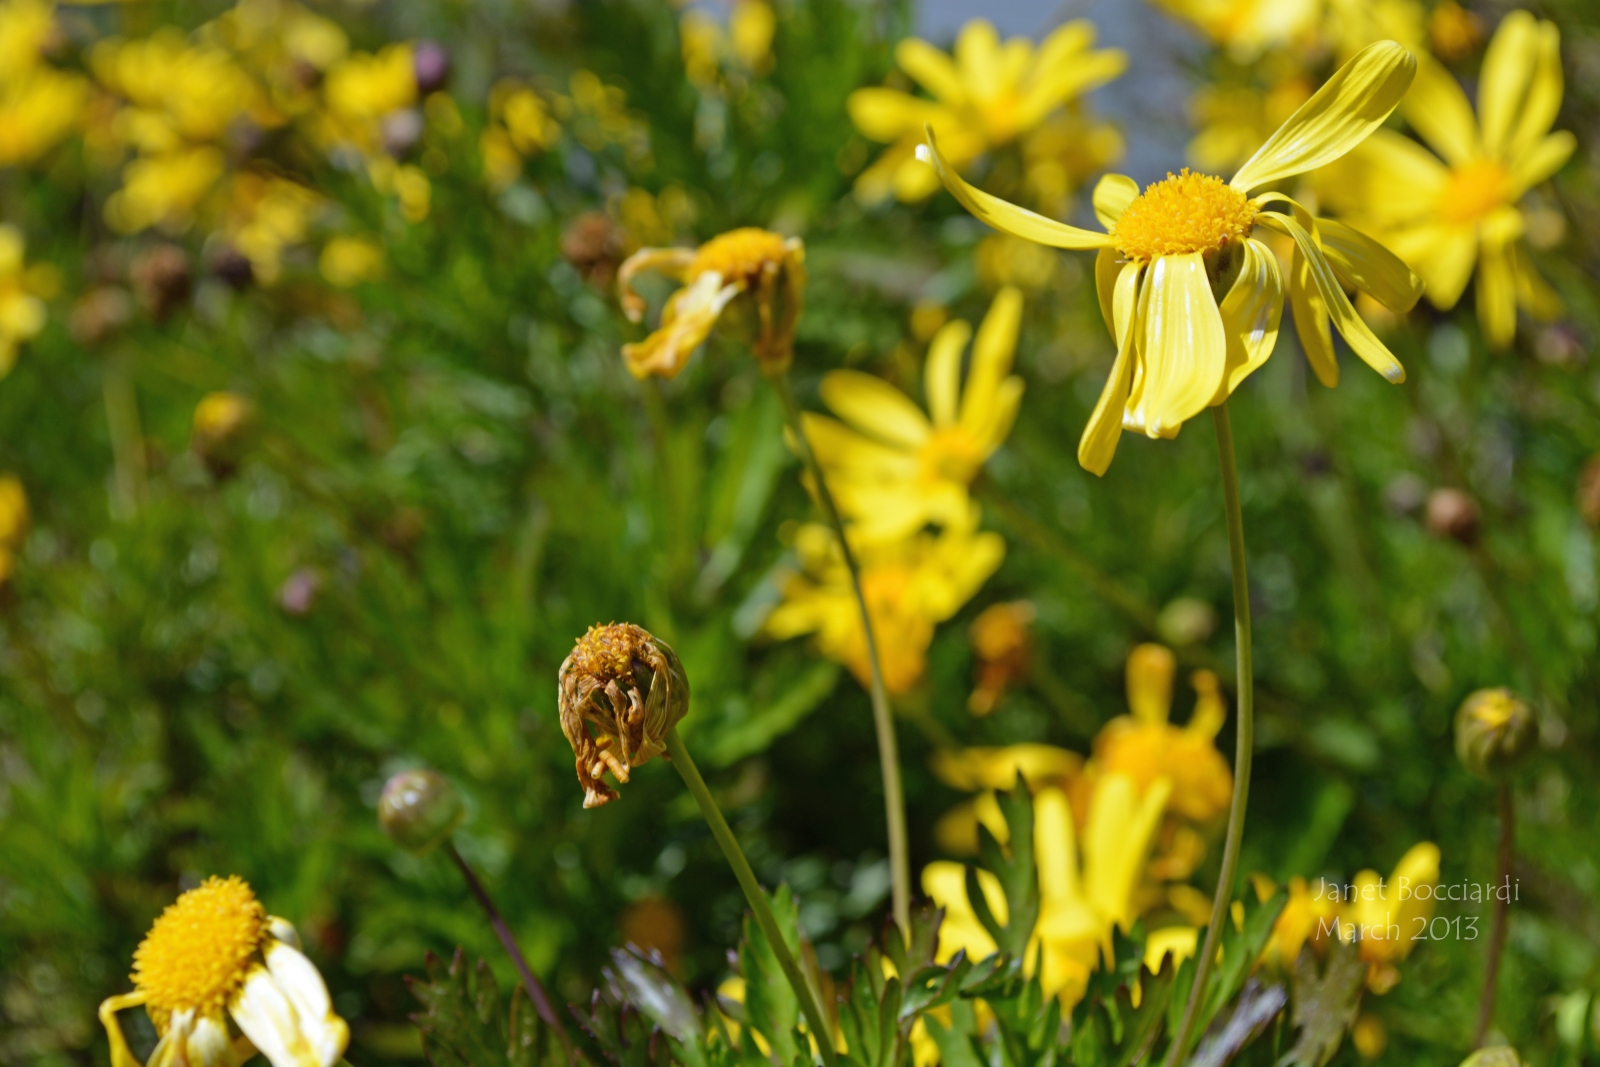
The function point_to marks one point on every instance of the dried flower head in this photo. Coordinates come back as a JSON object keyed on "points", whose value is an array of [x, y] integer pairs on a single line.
{"points": [[620, 692]]}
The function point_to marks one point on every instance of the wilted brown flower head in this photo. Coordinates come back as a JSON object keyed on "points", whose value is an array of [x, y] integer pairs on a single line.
{"points": [[160, 279], [620, 691], [596, 245]]}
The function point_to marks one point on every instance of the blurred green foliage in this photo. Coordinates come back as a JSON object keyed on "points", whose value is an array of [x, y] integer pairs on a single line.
{"points": [[452, 476]]}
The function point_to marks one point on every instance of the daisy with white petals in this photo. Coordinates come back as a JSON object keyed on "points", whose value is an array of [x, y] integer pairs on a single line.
{"points": [[215, 955]]}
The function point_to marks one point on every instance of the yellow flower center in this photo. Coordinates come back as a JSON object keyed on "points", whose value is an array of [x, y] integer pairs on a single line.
{"points": [[197, 953], [739, 255], [1183, 213], [1474, 190], [607, 652], [950, 454]]}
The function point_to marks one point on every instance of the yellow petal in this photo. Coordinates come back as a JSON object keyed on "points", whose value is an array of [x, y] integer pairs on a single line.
{"points": [[1251, 313], [979, 57], [847, 454], [1353, 327], [1003, 415], [1008, 218], [1182, 346], [1507, 73], [686, 321], [1539, 108], [1390, 178], [121, 1056], [1311, 322], [1418, 867], [931, 69], [1098, 446], [1058, 47], [1339, 116], [942, 376], [875, 407], [1541, 161], [268, 1018], [991, 356], [1055, 848], [1362, 263], [1108, 264], [1443, 254], [1497, 290], [1066, 81], [1441, 114], [1112, 195], [297, 978], [885, 114]]}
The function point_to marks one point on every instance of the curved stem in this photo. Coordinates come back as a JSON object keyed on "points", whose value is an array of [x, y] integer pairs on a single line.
{"points": [[753, 893], [1246, 736], [530, 984], [883, 718], [1502, 904]]}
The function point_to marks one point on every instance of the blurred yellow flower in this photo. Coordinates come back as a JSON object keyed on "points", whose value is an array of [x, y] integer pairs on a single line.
{"points": [[265, 215], [1234, 121], [39, 105], [754, 278], [164, 190], [365, 87], [520, 127], [350, 261], [1442, 216], [893, 469], [1002, 644], [216, 954], [1309, 915], [14, 520], [1063, 153], [972, 769], [910, 586], [1246, 28], [1381, 916], [1087, 887], [1169, 251], [747, 41], [21, 311], [985, 96], [1145, 747]]}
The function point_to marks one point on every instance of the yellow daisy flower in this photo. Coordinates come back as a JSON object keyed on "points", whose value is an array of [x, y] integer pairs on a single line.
{"points": [[215, 953], [893, 469], [766, 268], [1381, 915], [1245, 28], [1443, 215], [1193, 300], [1087, 885], [909, 586], [984, 96]]}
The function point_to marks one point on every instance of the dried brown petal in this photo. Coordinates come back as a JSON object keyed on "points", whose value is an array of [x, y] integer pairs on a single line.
{"points": [[620, 692]]}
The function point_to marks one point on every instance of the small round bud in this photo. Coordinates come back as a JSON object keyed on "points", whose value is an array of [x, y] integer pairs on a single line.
{"points": [[1453, 514], [222, 425], [619, 694], [401, 131], [1494, 730], [430, 63], [419, 809]]}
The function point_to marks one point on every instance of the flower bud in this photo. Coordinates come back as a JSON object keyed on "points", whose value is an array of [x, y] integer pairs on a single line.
{"points": [[620, 692], [1494, 730], [419, 809], [430, 65], [222, 424], [1453, 514]]}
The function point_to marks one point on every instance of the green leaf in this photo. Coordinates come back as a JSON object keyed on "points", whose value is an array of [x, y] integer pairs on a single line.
{"points": [[1012, 865], [770, 1003], [462, 1024], [1326, 1001], [647, 986]]}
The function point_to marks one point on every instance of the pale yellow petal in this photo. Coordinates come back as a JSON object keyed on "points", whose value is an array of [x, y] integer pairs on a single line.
{"points": [[1251, 313], [1351, 326], [1019, 222], [1067, 81], [1544, 95], [1390, 178], [121, 1055], [268, 1018], [979, 57], [1182, 346], [850, 454], [1112, 195], [296, 976], [875, 407], [1055, 848], [1311, 322], [686, 321], [1062, 42], [1507, 74], [1339, 116], [1418, 867], [1497, 288], [1003, 415], [1362, 263], [991, 356], [885, 114], [942, 376], [1541, 161], [932, 69], [1108, 264], [1098, 445], [1441, 114]]}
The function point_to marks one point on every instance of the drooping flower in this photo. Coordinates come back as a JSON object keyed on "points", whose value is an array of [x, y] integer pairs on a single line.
{"points": [[910, 586], [1444, 214], [751, 279], [1191, 298], [1088, 883], [213, 954], [984, 97], [620, 691], [893, 469]]}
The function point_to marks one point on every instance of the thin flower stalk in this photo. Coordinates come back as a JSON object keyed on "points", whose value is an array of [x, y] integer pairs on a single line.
{"points": [[1497, 923], [1245, 745], [882, 714], [809, 1005]]}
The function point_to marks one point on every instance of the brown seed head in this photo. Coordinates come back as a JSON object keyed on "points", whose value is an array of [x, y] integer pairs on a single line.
{"points": [[160, 279], [1453, 514], [619, 693]]}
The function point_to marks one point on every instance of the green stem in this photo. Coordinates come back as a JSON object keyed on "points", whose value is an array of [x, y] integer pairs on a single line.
{"points": [[1497, 929], [127, 440], [1246, 736], [753, 893], [882, 716]]}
